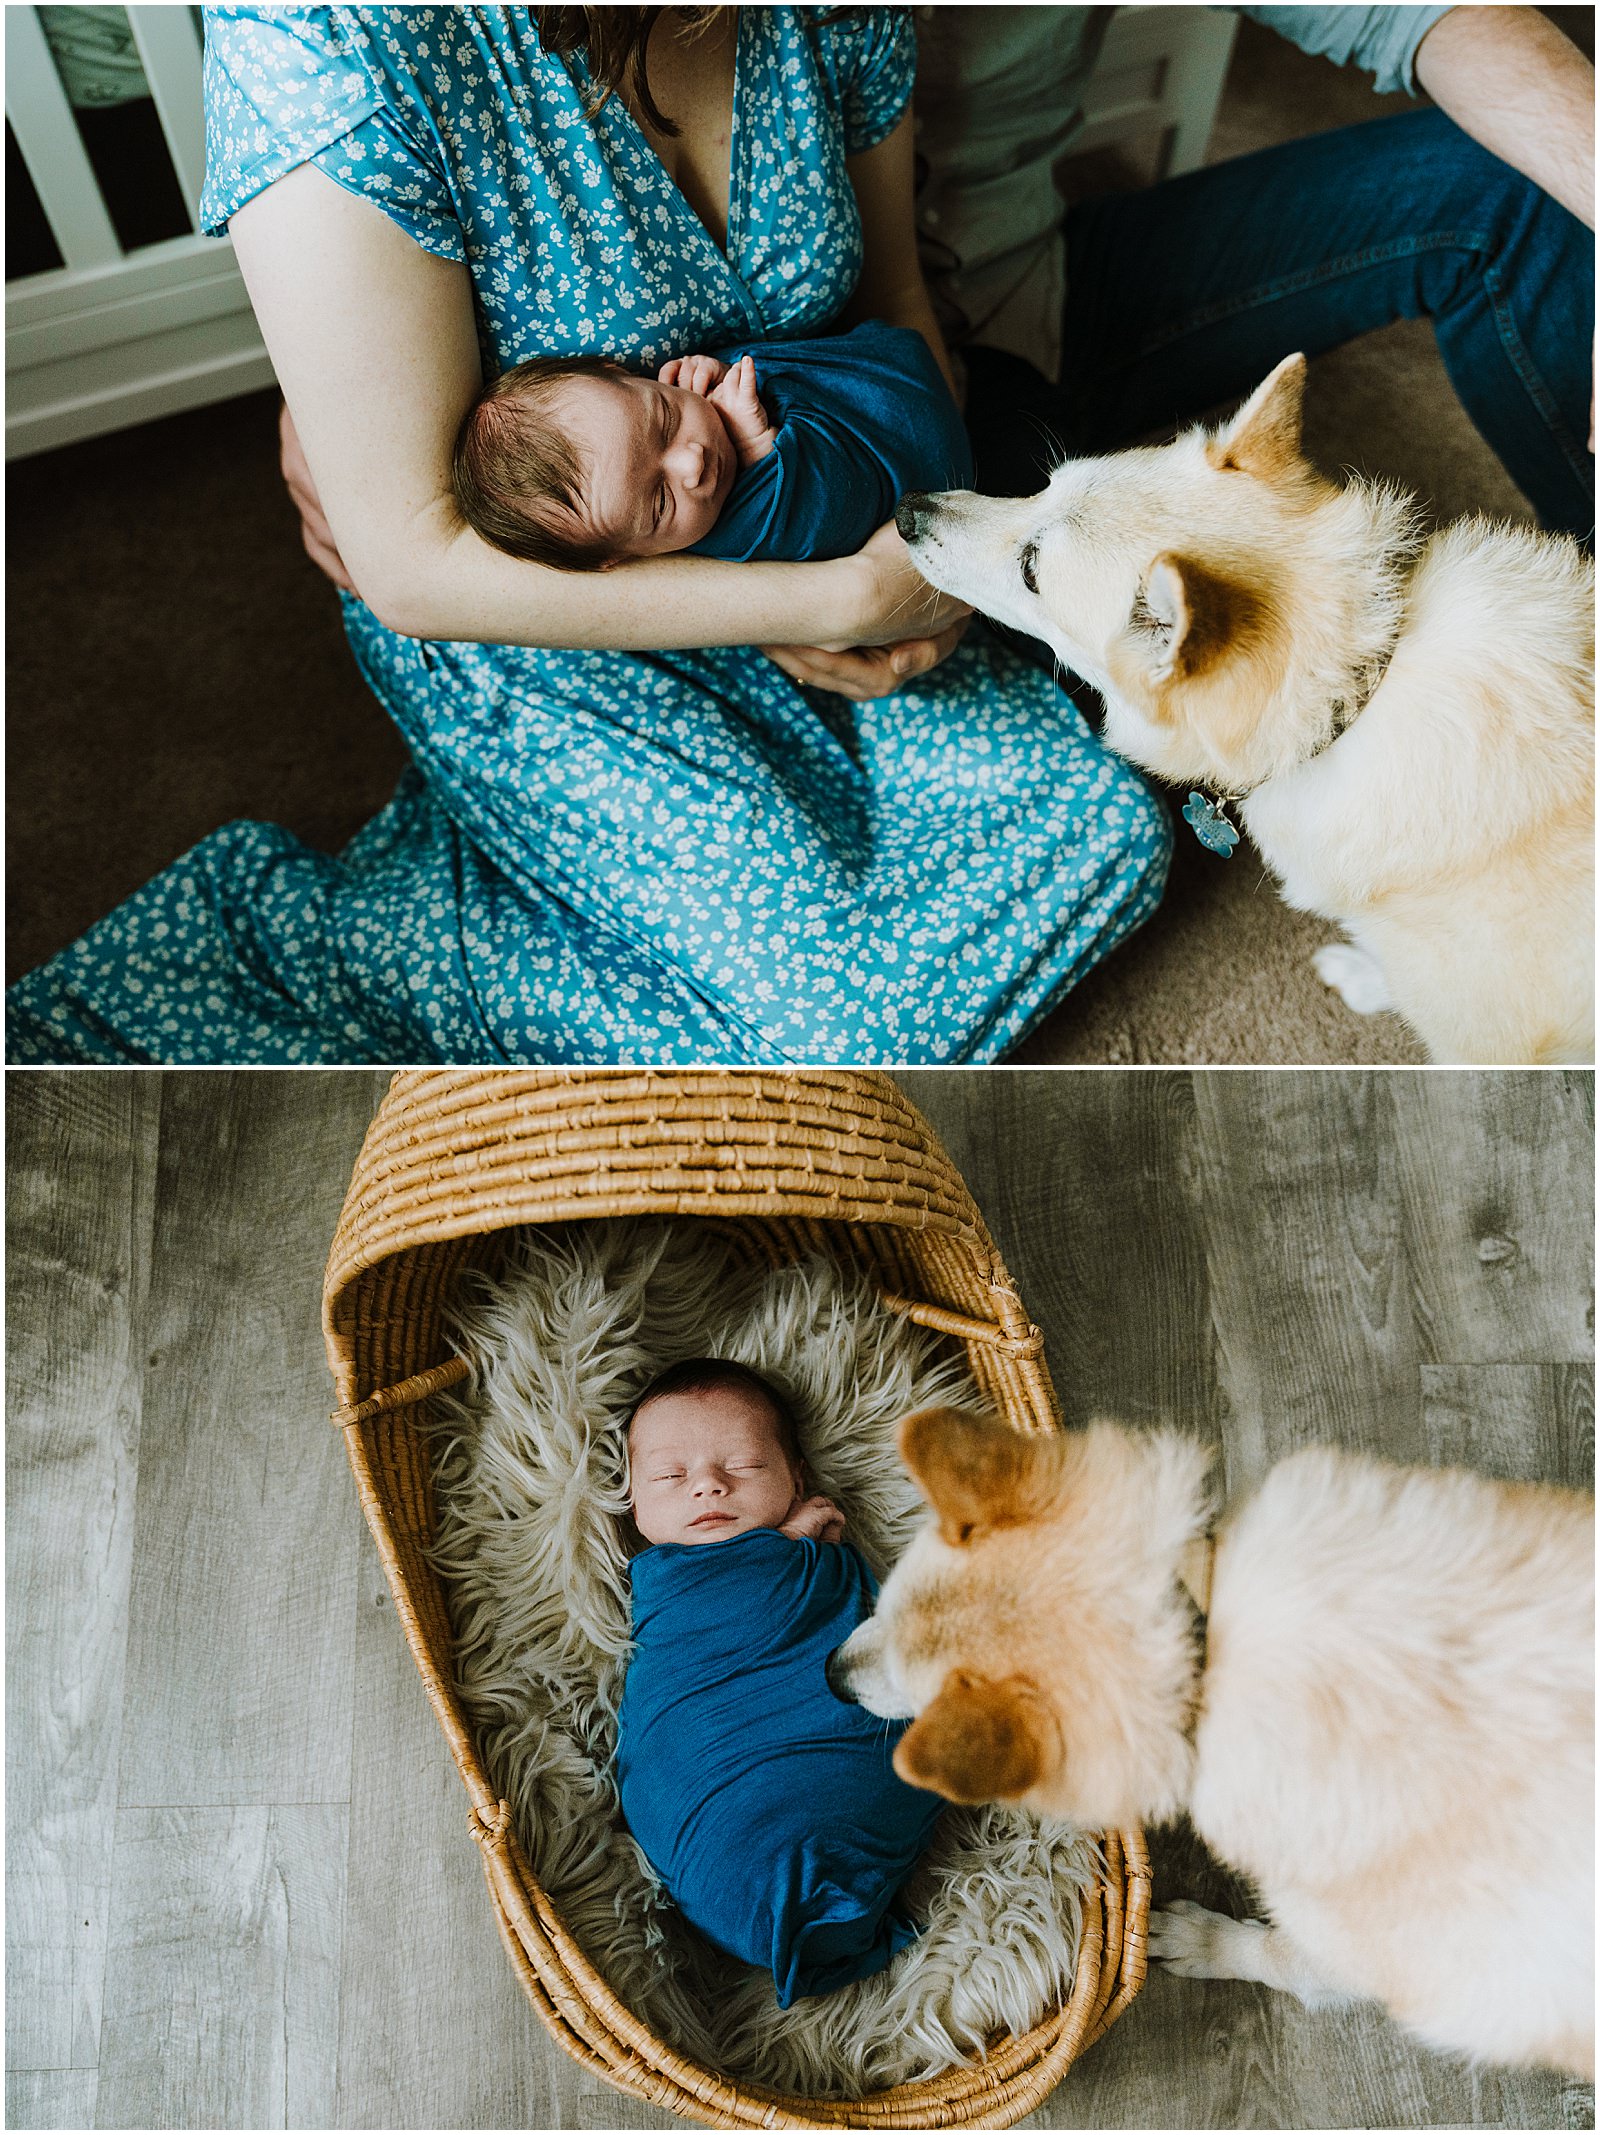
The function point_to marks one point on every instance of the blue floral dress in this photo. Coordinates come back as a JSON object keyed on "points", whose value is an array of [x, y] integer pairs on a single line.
{"points": [[599, 856]]}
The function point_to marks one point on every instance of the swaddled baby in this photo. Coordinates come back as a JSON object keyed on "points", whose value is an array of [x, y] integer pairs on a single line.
{"points": [[768, 1807], [788, 452]]}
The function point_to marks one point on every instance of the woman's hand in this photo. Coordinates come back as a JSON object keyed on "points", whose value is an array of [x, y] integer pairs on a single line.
{"points": [[904, 627], [315, 531], [867, 672]]}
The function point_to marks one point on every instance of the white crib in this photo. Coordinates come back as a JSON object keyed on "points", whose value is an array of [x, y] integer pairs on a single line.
{"points": [[110, 338]]}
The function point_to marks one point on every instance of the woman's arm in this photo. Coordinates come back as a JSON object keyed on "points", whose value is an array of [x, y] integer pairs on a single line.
{"points": [[375, 349], [890, 287]]}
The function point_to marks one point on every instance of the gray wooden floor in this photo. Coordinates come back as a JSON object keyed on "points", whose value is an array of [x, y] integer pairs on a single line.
{"points": [[240, 1887]]}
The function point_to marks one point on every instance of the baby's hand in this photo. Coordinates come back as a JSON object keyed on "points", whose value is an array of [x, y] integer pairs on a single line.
{"points": [[695, 374], [814, 1519], [735, 398]]}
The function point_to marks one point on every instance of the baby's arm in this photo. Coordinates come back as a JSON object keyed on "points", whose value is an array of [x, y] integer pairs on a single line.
{"points": [[815, 1519], [732, 392], [739, 405]]}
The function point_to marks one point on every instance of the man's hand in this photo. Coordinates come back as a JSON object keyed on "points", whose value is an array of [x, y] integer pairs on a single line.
{"points": [[315, 531], [813, 1519]]}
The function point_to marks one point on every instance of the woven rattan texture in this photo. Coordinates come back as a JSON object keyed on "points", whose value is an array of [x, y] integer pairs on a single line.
{"points": [[788, 1164]]}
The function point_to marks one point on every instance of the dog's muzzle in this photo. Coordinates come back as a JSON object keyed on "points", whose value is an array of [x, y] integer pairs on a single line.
{"points": [[914, 513], [838, 1677]]}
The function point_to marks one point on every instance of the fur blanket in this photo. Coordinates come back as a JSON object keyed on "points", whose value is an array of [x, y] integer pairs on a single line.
{"points": [[531, 1474]]}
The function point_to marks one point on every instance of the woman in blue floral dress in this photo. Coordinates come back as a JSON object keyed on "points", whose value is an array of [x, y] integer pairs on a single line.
{"points": [[691, 853]]}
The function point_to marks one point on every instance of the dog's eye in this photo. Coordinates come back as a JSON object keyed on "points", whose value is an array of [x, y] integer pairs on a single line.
{"points": [[1025, 564]]}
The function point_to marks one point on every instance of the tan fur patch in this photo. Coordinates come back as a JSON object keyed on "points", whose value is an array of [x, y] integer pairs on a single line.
{"points": [[978, 1741], [978, 1473], [1227, 667], [1264, 437], [1220, 617]]}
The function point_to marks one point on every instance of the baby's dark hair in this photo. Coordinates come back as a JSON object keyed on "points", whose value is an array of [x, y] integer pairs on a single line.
{"points": [[511, 457], [697, 1375]]}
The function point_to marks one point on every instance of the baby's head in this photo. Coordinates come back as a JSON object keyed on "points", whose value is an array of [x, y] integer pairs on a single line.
{"points": [[573, 462], [712, 1452]]}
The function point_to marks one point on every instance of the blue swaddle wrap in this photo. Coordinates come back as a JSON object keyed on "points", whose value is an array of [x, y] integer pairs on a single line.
{"points": [[768, 1806], [861, 418]]}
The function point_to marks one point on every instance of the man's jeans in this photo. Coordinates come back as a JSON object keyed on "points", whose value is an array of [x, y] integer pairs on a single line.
{"points": [[1188, 293]]}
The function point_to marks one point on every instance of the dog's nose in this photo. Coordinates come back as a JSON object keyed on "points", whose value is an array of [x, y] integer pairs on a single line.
{"points": [[912, 513]]}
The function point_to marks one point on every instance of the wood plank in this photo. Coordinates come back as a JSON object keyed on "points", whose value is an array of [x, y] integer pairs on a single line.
{"points": [[1226, 2054], [588, 2104], [435, 2029], [1531, 1423], [240, 1656], [1497, 1186], [1237, 2056], [223, 1976], [1300, 1201], [1088, 1184], [50, 2097], [81, 1159]]}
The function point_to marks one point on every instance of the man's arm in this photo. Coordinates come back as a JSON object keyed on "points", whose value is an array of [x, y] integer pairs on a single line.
{"points": [[1508, 76]]}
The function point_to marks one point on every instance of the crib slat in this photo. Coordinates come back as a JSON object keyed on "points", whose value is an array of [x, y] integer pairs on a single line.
{"points": [[169, 46], [47, 134]]}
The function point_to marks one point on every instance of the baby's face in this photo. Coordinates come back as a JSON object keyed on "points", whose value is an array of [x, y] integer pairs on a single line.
{"points": [[708, 1465], [657, 462]]}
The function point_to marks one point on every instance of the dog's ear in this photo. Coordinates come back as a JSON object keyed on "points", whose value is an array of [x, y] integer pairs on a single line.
{"points": [[975, 1472], [979, 1740], [1264, 437], [1187, 618]]}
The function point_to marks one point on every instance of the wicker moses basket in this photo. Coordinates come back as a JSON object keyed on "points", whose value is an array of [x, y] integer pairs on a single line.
{"points": [[787, 1164]]}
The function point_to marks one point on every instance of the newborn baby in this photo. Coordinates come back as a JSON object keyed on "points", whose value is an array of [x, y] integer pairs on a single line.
{"points": [[768, 1807], [795, 451]]}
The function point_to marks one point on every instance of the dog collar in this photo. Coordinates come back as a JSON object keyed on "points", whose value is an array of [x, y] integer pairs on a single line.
{"points": [[1207, 813]]}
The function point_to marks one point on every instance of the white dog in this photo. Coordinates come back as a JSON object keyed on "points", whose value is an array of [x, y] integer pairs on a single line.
{"points": [[1386, 1719], [1407, 733]]}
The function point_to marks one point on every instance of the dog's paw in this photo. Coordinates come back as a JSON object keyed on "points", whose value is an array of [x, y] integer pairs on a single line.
{"points": [[1198, 1944], [1353, 975]]}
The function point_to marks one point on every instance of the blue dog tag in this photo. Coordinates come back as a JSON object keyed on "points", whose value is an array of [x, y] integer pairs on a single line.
{"points": [[1211, 826]]}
